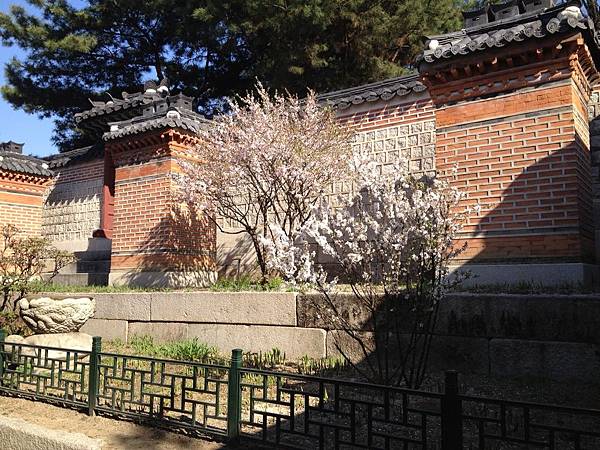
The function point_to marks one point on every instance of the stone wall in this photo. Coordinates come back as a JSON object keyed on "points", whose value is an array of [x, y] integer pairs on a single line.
{"points": [[502, 335], [72, 208], [251, 321]]}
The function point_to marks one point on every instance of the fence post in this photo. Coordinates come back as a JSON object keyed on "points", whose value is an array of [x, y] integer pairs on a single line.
{"points": [[452, 436], [2, 338], [94, 374], [234, 404]]}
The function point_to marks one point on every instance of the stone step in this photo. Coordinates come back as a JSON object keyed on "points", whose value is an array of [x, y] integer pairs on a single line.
{"points": [[92, 255], [82, 279]]}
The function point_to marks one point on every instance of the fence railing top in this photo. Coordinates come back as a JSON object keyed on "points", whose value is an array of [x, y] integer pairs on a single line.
{"points": [[341, 381], [41, 347], [165, 360], [518, 403]]}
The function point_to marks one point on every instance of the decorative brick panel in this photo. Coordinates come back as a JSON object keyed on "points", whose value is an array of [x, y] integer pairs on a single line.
{"points": [[72, 208]]}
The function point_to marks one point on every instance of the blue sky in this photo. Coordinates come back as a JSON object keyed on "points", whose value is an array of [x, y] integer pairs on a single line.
{"points": [[16, 125]]}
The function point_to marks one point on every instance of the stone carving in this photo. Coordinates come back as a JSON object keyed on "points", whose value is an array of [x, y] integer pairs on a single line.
{"points": [[47, 315]]}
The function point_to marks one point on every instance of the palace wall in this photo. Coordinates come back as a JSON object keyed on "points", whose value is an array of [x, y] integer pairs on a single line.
{"points": [[500, 109], [24, 183]]}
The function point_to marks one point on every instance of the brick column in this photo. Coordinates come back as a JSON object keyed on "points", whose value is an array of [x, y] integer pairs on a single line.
{"points": [[512, 132], [157, 241]]}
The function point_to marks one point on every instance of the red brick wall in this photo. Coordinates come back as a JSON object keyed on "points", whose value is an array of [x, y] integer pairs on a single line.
{"points": [[21, 200], [151, 229], [520, 158]]}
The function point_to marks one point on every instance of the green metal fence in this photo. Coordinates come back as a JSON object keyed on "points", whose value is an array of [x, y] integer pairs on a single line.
{"points": [[283, 409]]}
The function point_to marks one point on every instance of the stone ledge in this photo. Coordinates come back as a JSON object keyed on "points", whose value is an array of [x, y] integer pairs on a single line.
{"points": [[106, 329], [545, 274], [293, 341], [556, 360], [252, 308], [544, 317], [17, 434], [122, 306]]}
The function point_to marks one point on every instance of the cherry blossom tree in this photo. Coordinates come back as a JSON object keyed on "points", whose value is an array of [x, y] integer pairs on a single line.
{"points": [[266, 162], [392, 243]]}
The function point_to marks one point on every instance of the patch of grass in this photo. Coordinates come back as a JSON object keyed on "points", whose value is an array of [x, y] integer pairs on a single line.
{"points": [[143, 345], [223, 285], [194, 350], [323, 366], [44, 286], [246, 283], [186, 350], [191, 350], [265, 360]]}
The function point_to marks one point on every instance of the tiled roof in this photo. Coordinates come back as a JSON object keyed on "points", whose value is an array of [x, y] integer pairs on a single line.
{"points": [[561, 19], [173, 118], [74, 156], [382, 90], [30, 165], [101, 108], [150, 94]]}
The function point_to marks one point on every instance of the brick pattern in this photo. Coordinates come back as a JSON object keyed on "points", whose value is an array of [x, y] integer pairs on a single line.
{"points": [[414, 143], [21, 200], [72, 208], [27, 218], [396, 130], [151, 230], [140, 205], [521, 160]]}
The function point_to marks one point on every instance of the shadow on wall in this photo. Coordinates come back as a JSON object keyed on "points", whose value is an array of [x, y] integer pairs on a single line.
{"points": [[235, 255], [544, 216], [179, 251]]}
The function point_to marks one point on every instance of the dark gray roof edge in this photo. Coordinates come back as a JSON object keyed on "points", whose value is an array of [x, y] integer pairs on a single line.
{"points": [[498, 24], [185, 121], [511, 32], [81, 154], [380, 90], [25, 164]]}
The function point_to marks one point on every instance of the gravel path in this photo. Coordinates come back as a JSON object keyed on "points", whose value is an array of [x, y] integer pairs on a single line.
{"points": [[115, 434]]}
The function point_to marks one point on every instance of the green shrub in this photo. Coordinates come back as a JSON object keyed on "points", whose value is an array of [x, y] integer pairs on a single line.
{"points": [[267, 360], [12, 323], [190, 350], [187, 350]]}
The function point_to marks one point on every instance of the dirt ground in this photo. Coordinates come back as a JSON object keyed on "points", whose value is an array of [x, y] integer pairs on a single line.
{"points": [[115, 434]]}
